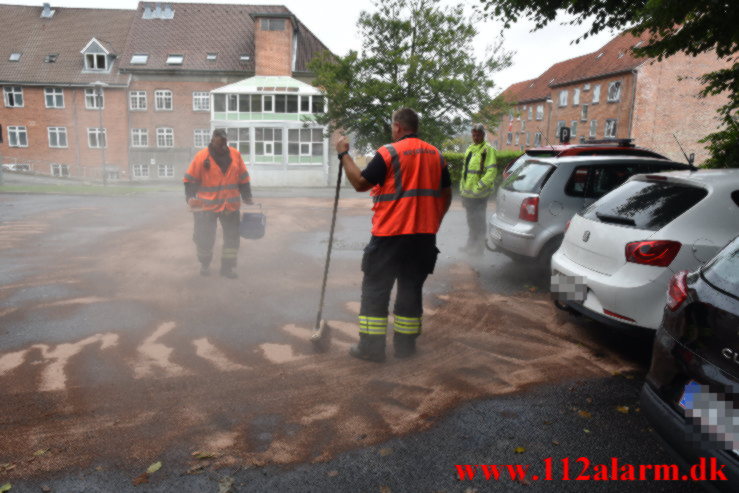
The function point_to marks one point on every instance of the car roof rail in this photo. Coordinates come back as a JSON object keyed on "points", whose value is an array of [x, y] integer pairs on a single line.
{"points": [[620, 142]]}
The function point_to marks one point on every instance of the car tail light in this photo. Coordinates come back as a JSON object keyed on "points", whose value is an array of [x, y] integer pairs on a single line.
{"points": [[659, 253], [529, 209], [677, 292]]}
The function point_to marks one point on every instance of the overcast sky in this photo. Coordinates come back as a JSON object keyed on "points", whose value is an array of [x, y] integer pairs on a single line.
{"points": [[334, 22]]}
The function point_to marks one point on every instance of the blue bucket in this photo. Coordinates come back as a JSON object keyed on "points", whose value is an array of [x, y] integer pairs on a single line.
{"points": [[253, 224]]}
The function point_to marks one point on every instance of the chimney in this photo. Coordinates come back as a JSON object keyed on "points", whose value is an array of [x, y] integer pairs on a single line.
{"points": [[47, 13], [274, 44]]}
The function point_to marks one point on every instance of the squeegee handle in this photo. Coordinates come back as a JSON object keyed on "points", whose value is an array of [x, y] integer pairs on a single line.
{"points": [[330, 244]]}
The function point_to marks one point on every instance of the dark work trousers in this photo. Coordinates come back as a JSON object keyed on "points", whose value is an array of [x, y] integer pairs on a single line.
{"points": [[409, 259], [204, 236], [476, 221]]}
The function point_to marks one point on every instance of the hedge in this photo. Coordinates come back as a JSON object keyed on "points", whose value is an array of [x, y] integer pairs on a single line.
{"points": [[455, 160]]}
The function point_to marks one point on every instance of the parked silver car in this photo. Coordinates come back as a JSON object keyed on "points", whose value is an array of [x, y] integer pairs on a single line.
{"points": [[535, 203]]}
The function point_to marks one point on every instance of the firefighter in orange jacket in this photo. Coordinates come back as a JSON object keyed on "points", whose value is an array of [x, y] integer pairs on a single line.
{"points": [[411, 191], [215, 184]]}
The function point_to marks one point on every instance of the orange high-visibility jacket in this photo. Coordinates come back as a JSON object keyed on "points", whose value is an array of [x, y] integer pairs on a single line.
{"points": [[218, 192], [409, 201]]}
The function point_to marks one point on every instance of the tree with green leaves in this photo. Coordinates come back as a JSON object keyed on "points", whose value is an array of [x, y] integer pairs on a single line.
{"points": [[417, 54], [688, 26]]}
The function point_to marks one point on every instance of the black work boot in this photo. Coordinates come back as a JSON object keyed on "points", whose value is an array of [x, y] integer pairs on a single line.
{"points": [[404, 345], [204, 270], [229, 272], [370, 348]]}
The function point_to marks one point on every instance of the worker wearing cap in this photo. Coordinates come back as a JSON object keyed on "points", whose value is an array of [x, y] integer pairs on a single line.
{"points": [[475, 186], [411, 191], [215, 184]]}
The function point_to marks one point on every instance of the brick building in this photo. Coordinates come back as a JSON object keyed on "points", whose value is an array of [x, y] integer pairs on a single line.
{"points": [[612, 94], [154, 70]]}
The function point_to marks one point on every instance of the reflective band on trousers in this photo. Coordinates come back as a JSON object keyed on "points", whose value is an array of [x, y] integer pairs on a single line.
{"points": [[407, 325], [372, 325], [230, 253]]}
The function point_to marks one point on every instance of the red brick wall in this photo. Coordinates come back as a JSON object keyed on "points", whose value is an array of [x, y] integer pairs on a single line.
{"points": [[273, 50], [82, 161], [667, 103], [520, 125], [620, 110]]}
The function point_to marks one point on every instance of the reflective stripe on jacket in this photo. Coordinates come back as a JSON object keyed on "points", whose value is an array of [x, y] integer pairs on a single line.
{"points": [[218, 191], [478, 177], [409, 201]]}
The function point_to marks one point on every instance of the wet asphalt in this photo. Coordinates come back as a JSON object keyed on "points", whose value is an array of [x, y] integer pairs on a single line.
{"points": [[540, 422]]}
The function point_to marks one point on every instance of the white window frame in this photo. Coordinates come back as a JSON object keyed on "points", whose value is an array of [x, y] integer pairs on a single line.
{"points": [[168, 170], [93, 100], [531, 112], [300, 104], [271, 99], [139, 137], [59, 133], [593, 131], [59, 169], [539, 112], [16, 133], [163, 100], [563, 98], [173, 59], [200, 101], [573, 128], [509, 138], [57, 97], [584, 112], [560, 124], [576, 97], [523, 125], [11, 94], [92, 62], [616, 96], [537, 139], [140, 170], [96, 132], [139, 59], [611, 128], [165, 137], [201, 137], [137, 101], [596, 94]]}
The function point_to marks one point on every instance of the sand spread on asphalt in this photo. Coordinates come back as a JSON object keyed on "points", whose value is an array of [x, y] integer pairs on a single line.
{"points": [[181, 385]]}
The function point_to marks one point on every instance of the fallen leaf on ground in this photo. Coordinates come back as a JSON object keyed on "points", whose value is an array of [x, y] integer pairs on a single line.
{"points": [[46, 489], [623, 409], [196, 469], [586, 430], [520, 450], [203, 455], [6, 487], [384, 452], [225, 484], [555, 442], [40, 452], [385, 489], [584, 414], [333, 474], [154, 468], [144, 478]]}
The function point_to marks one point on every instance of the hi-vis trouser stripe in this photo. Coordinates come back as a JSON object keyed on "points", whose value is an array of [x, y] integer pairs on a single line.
{"points": [[407, 325], [229, 253], [372, 325]]}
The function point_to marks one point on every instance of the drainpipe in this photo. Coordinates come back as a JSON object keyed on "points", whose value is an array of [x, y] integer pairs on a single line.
{"points": [[635, 73]]}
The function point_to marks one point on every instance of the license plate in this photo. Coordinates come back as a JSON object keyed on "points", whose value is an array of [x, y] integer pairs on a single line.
{"points": [[568, 288]]}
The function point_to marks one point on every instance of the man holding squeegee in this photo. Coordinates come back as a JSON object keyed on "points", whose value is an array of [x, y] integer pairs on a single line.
{"points": [[411, 191]]}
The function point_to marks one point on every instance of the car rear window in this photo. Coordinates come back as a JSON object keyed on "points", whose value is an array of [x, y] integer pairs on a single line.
{"points": [[529, 178], [594, 181], [649, 205], [723, 270]]}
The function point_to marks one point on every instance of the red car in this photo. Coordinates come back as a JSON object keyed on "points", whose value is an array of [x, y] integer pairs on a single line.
{"points": [[620, 147]]}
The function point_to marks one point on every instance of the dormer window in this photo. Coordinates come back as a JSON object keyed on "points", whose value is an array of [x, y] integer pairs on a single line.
{"points": [[273, 24], [14, 57], [175, 59], [211, 57], [97, 56], [94, 61], [51, 57], [243, 58], [139, 59]]}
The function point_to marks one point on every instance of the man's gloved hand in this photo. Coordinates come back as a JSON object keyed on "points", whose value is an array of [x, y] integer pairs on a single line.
{"points": [[195, 204], [248, 201]]}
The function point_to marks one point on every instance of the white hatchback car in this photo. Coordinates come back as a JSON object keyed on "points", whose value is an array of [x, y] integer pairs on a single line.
{"points": [[618, 255]]}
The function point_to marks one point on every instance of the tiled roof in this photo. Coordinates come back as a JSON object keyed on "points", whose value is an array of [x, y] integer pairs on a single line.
{"points": [[66, 34], [198, 29], [615, 57]]}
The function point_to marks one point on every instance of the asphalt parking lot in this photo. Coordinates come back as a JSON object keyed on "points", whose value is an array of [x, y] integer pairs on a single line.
{"points": [[116, 355]]}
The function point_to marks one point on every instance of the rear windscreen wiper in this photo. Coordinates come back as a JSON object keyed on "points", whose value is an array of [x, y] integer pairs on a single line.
{"points": [[608, 218]]}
